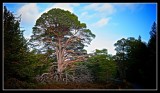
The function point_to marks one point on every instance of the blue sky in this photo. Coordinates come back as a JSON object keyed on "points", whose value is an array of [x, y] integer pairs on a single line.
{"points": [[108, 21]]}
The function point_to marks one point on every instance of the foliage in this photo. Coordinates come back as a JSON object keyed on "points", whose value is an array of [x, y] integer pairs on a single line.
{"points": [[15, 46], [102, 66], [131, 59], [20, 65]]}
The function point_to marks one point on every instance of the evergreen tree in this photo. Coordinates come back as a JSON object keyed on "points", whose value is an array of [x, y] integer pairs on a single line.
{"points": [[62, 32], [151, 64], [15, 47]]}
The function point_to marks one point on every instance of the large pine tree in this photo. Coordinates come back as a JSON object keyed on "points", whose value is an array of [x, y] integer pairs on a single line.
{"points": [[62, 32]]}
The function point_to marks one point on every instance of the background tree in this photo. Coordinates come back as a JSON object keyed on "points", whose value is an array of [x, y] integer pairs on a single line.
{"points": [[136, 58], [102, 66], [151, 63], [62, 32], [121, 57], [15, 48]]}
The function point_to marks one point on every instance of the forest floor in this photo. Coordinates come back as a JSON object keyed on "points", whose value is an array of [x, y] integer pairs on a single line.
{"points": [[109, 85]]}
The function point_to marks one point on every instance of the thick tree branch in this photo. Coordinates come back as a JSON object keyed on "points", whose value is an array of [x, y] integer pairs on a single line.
{"points": [[78, 59], [76, 31]]}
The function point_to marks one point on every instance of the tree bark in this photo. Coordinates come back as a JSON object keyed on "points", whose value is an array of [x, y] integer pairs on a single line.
{"points": [[59, 59]]}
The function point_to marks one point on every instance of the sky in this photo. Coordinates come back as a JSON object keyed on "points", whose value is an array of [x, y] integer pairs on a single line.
{"points": [[108, 21]]}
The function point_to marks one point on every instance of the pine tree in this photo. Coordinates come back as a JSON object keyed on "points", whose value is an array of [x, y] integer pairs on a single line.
{"points": [[151, 64], [15, 46], [62, 32]]}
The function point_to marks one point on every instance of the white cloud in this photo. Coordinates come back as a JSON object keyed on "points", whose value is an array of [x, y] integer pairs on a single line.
{"points": [[131, 6], [125, 4], [28, 13], [85, 16], [84, 13], [65, 6], [101, 22], [106, 8], [98, 43], [97, 11], [92, 6]]}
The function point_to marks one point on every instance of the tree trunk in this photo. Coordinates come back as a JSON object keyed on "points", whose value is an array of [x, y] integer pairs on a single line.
{"points": [[60, 56]]}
